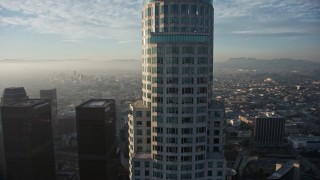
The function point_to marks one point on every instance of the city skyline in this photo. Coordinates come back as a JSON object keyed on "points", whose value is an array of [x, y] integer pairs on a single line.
{"points": [[100, 30]]}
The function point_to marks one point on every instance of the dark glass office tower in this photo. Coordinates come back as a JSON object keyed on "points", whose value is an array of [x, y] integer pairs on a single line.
{"points": [[28, 140], [51, 94], [13, 94], [269, 131], [10, 95], [96, 132]]}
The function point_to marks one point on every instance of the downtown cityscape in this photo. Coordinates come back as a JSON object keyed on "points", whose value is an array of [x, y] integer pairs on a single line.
{"points": [[176, 113]]}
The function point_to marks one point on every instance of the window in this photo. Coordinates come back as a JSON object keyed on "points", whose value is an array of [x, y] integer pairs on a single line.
{"points": [[187, 100], [186, 140], [139, 140], [146, 164], [209, 173], [203, 50], [201, 109], [187, 130], [202, 90], [146, 173], [216, 132], [187, 70], [199, 157], [185, 9], [173, 120], [172, 70], [157, 139], [157, 166], [187, 80], [136, 164], [172, 50], [139, 148], [174, 20], [201, 100], [187, 110], [139, 131], [171, 167], [171, 176], [172, 100], [186, 158], [172, 80], [186, 150], [187, 120], [172, 158], [139, 123], [216, 141], [173, 110], [139, 113], [219, 173], [172, 149], [172, 130], [202, 80], [157, 148], [172, 90], [187, 90], [187, 60], [186, 167], [174, 29], [157, 157], [219, 164], [201, 130], [202, 60], [137, 172], [202, 70], [194, 10], [200, 148], [188, 49], [184, 20], [157, 130], [171, 140], [174, 9]]}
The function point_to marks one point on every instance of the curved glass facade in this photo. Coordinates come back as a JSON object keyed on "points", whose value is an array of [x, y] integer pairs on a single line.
{"points": [[177, 73]]}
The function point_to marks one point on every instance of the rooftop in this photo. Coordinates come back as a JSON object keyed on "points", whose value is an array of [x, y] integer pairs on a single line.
{"points": [[27, 103], [94, 103], [285, 168]]}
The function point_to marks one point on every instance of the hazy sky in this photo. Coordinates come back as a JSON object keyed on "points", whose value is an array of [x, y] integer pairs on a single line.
{"points": [[110, 29]]}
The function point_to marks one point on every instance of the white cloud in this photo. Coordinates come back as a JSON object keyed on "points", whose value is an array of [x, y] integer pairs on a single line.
{"points": [[120, 19], [75, 19]]}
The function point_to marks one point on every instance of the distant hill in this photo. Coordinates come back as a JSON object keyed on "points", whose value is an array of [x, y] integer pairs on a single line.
{"points": [[273, 65]]}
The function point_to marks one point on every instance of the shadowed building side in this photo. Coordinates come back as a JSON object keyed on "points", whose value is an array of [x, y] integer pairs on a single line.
{"points": [[96, 133], [28, 140]]}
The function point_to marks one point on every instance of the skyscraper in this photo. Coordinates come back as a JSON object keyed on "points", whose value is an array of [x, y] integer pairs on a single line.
{"points": [[96, 133], [13, 94], [268, 131], [10, 95], [177, 73], [51, 94], [28, 140]]}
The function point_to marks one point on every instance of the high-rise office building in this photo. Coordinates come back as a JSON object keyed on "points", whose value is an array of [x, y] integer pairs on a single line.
{"points": [[51, 94], [10, 95], [96, 133], [14, 94], [28, 140], [269, 131], [168, 128]]}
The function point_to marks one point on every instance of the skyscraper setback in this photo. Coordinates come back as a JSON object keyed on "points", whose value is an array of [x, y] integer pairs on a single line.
{"points": [[168, 128]]}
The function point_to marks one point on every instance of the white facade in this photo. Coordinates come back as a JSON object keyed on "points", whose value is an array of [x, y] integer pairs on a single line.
{"points": [[177, 73]]}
